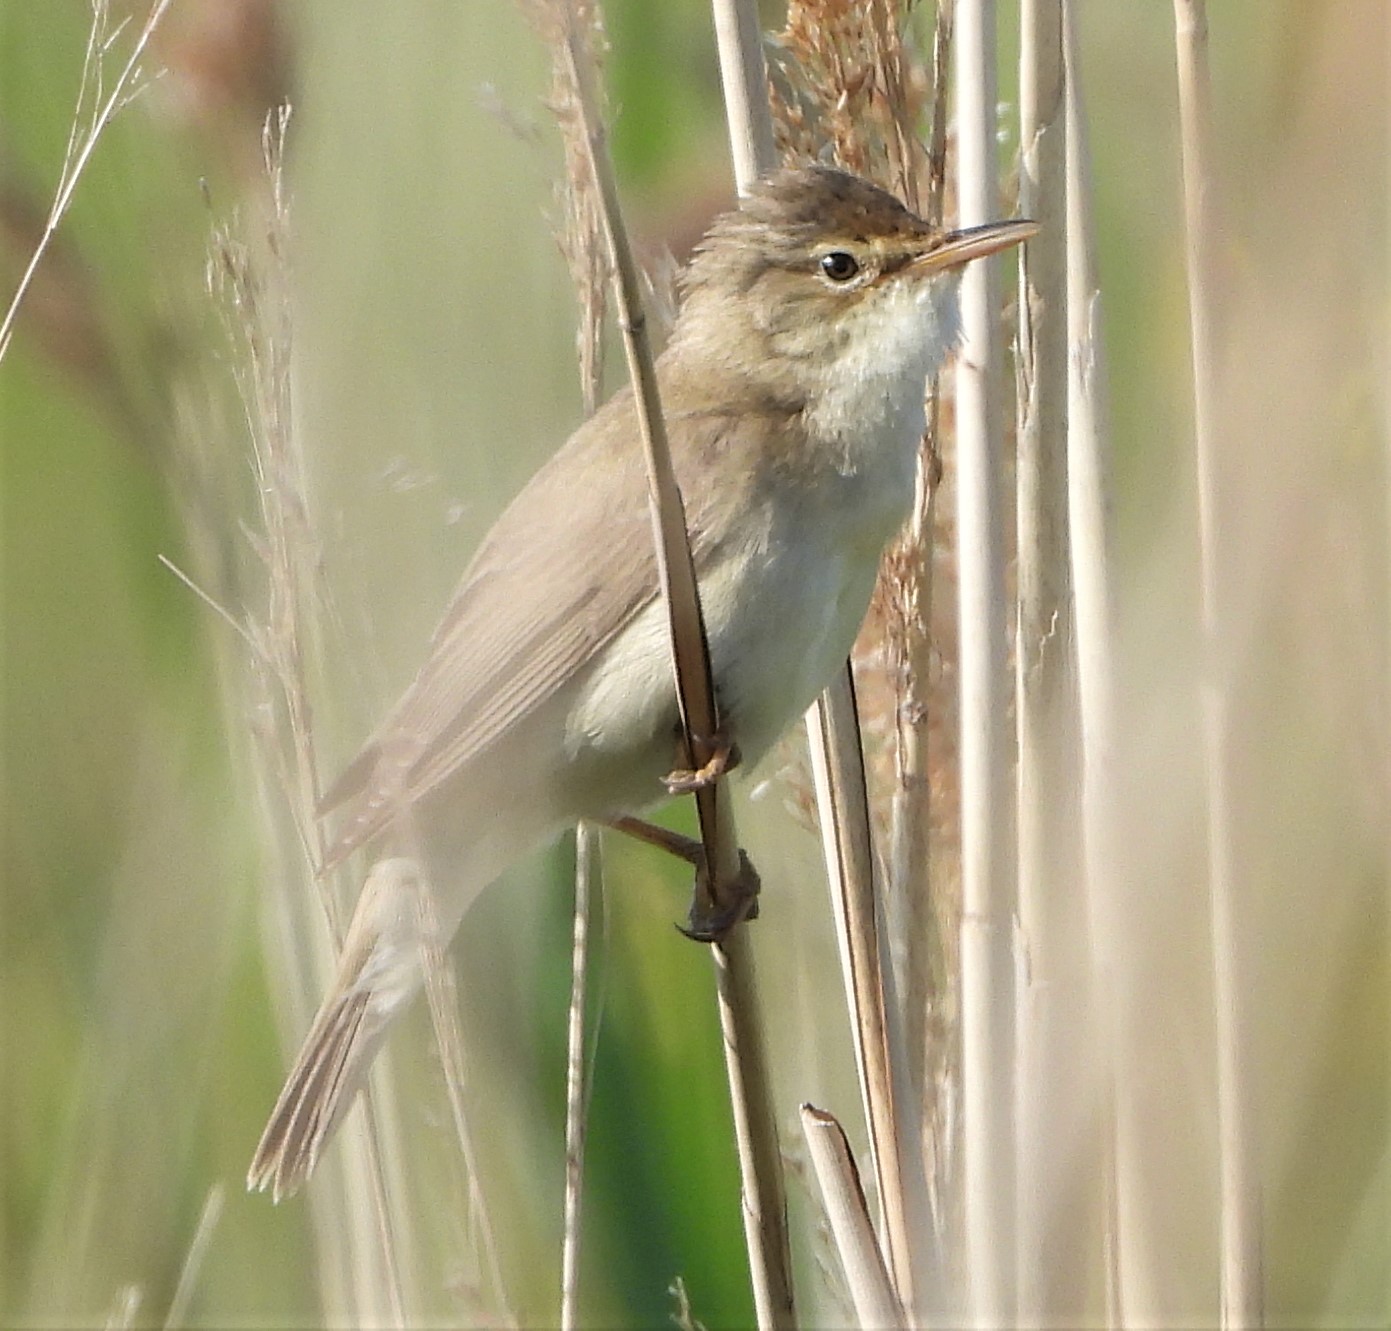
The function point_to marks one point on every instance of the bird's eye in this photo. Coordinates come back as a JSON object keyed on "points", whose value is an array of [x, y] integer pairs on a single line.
{"points": [[839, 266]]}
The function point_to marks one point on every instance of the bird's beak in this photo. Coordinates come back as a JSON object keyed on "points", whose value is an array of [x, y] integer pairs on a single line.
{"points": [[974, 242]]}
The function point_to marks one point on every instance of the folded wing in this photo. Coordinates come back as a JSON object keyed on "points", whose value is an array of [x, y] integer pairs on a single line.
{"points": [[535, 606]]}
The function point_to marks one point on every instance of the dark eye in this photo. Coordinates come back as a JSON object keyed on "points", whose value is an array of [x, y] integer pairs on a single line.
{"points": [[839, 266]]}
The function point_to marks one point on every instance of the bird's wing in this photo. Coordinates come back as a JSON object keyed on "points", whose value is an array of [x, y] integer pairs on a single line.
{"points": [[532, 610]]}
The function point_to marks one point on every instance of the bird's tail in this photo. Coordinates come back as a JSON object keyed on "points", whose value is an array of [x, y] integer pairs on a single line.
{"points": [[326, 1075], [378, 973]]}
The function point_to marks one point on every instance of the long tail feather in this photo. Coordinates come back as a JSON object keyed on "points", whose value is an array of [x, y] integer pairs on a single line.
{"points": [[379, 972], [330, 1068]]}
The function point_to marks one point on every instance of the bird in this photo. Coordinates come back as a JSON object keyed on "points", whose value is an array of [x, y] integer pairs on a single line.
{"points": [[792, 385]]}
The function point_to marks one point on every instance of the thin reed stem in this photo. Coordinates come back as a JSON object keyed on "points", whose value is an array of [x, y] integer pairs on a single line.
{"points": [[861, 1258], [360, 1267], [1093, 582], [1241, 1236], [738, 40], [837, 755], [987, 819], [587, 880], [891, 1116], [1052, 905]]}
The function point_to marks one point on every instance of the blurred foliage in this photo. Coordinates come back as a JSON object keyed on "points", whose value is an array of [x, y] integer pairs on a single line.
{"points": [[435, 331]]}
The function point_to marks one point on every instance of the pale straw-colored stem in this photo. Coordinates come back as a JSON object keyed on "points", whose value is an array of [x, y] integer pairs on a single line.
{"points": [[1241, 1238], [360, 1265], [738, 39], [987, 789], [675, 568], [1052, 904], [892, 1116], [1093, 579], [763, 1198], [763, 1195], [587, 871], [862, 1261]]}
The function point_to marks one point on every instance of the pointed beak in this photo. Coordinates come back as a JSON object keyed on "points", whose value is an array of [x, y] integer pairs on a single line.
{"points": [[974, 242]]}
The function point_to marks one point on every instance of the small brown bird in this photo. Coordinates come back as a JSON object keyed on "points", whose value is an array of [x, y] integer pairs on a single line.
{"points": [[793, 389]]}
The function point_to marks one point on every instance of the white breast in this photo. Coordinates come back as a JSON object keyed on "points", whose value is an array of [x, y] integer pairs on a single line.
{"points": [[782, 611], [871, 397]]}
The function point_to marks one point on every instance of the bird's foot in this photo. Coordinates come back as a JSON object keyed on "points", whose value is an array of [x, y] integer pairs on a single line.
{"points": [[708, 921], [685, 781], [711, 922]]}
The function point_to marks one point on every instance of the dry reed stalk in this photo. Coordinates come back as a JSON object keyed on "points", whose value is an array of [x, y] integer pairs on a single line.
{"points": [[1093, 582], [1241, 1227], [1094, 577], [676, 570], [359, 1264], [1052, 905], [588, 882], [832, 725], [92, 114], [862, 1260], [843, 811], [987, 795], [744, 79], [764, 1201]]}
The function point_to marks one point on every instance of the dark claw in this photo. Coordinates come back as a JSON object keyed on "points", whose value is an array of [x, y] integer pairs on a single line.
{"points": [[709, 925]]}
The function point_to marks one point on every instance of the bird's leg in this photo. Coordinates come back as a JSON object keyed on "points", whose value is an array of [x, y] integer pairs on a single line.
{"points": [[702, 925], [723, 759], [674, 843]]}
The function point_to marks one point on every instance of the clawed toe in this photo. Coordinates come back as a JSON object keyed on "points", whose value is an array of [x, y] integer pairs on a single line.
{"points": [[709, 922], [684, 781]]}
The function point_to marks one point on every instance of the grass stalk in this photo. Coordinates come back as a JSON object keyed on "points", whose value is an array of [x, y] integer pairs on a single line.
{"points": [[1093, 582], [359, 1266], [871, 1291], [587, 879], [82, 141], [676, 569], [987, 816], [1241, 1237], [582, 242], [739, 43], [1052, 908], [891, 1115], [764, 1200], [441, 994]]}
